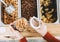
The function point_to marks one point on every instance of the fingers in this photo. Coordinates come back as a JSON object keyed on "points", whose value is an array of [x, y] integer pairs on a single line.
{"points": [[41, 28], [34, 22]]}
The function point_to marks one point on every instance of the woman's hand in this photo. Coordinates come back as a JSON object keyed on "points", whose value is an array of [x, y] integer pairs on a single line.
{"points": [[42, 29], [38, 25], [17, 33]]}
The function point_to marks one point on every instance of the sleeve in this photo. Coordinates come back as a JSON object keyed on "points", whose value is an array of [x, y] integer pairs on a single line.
{"points": [[23, 40], [50, 38]]}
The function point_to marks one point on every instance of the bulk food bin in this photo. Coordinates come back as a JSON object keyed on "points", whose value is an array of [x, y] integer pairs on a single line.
{"points": [[22, 9], [33, 8], [49, 11], [37, 38], [9, 18]]}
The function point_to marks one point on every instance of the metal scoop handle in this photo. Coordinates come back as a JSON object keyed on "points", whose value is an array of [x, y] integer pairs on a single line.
{"points": [[3, 3]]}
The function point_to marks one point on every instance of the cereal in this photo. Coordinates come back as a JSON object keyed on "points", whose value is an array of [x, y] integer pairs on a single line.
{"points": [[7, 19], [22, 25], [48, 11]]}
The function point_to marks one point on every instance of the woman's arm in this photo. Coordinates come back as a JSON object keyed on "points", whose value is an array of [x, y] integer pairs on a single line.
{"points": [[41, 28], [23, 40], [50, 38], [46, 35], [18, 35]]}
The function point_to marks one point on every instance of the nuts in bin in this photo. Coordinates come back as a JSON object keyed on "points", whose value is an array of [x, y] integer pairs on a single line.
{"points": [[48, 11], [8, 18]]}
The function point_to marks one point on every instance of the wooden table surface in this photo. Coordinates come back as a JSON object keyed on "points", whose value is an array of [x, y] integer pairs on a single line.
{"points": [[54, 29]]}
